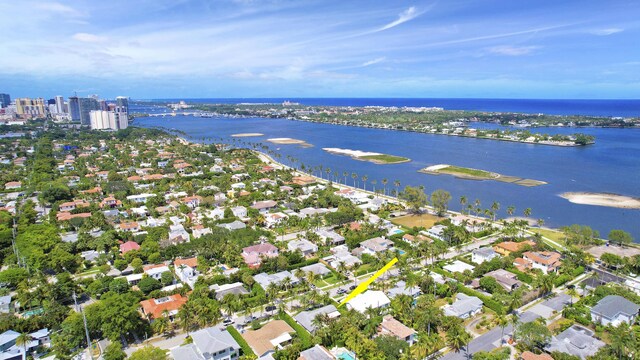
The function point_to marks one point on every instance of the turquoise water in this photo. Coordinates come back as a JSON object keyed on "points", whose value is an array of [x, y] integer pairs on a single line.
{"points": [[346, 356]]}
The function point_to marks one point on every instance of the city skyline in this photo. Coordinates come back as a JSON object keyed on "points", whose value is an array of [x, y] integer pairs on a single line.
{"points": [[199, 49]]}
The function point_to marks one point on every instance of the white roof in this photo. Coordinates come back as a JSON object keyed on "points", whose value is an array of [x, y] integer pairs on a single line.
{"points": [[459, 266], [369, 299]]}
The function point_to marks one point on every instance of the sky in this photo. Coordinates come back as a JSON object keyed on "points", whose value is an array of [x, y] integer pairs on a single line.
{"points": [[279, 48]]}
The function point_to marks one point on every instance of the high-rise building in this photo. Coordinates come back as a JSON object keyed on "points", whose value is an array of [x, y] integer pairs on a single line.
{"points": [[5, 100], [123, 101], [107, 120], [86, 106], [60, 105], [74, 108], [103, 105], [31, 107]]}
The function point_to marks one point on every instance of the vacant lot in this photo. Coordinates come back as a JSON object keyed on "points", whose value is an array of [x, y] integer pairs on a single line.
{"points": [[424, 220], [626, 251]]}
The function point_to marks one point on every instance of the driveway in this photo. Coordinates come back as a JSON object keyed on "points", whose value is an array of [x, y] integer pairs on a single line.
{"points": [[548, 308]]}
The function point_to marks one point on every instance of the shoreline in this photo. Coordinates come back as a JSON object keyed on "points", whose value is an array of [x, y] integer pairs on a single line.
{"points": [[367, 156], [440, 169]]}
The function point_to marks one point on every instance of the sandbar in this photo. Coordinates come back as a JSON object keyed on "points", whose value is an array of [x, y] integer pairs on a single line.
{"points": [[289, 141], [374, 157], [602, 199], [247, 135]]}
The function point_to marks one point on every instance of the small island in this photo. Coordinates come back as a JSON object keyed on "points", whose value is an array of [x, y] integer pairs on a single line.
{"points": [[374, 157], [476, 174], [602, 199]]}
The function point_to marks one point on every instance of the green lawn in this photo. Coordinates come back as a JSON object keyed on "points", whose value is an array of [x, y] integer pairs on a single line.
{"points": [[554, 235], [384, 158]]}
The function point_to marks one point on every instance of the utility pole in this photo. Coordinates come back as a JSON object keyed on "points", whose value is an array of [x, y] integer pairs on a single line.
{"points": [[84, 319]]}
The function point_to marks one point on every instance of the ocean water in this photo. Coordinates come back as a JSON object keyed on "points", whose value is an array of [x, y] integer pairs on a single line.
{"points": [[612, 165]]}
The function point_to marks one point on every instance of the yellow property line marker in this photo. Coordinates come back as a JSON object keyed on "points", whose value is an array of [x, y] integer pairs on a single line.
{"points": [[363, 286]]}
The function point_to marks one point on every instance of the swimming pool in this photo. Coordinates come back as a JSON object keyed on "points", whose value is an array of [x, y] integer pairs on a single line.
{"points": [[346, 356]]}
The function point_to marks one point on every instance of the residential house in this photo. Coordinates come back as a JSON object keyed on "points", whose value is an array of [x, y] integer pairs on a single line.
{"points": [[278, 278], [72, 205], [614, 310], [274, 335], [192, 201], [481, 255], [13, 185], [401, 288], [306, 247], [177, 234], [155, 308], [331, 237], [577, 341], [317, 268], [393, 327], [155, 271], [129, 246], [236, 288], [235, 225], [303, 180], [5, 302], [415, 240], [239, 212], [252, 254], [272, 220], [65, 215], [306, 318], [509, 281], [507, 247], [110, 202], [436, 232], [208, 344], [264, 206], [140, 198], [458, 266], [9, 350], [317, 352], [464, 307], [375, 245], [528, 355], [186, 270], [341, 255], [369, 299], [131, 226], [200, 230], [547, 261]]}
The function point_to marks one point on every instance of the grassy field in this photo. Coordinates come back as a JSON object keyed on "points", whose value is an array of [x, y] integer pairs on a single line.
{"points": [[384, 159], [424, 220], [556, 236], [467, 171]]}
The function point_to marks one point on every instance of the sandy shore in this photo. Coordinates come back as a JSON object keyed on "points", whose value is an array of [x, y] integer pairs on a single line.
{"points": [[247, 135], [602, 199], [383, 159]]}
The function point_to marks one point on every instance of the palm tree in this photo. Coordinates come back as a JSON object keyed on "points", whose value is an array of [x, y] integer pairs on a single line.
{"points": [[623, 340], [186, 314], [502, 321], [396, 183], [364, 181], [571, 291], [463, 202], [494, 208], [23, 340], [457, 337], [545, 283], [527, 212], [384, 185], [354, 176], [345, 174], [515, 300], [511, 210]]}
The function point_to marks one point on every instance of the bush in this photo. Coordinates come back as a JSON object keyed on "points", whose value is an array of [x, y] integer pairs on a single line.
{"points": [[488, 302], [246, 349], [148, 284]]}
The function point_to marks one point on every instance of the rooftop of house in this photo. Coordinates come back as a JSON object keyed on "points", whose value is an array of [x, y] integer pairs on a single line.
{"points": [[612, 306], [395, 327], [262, 340]]}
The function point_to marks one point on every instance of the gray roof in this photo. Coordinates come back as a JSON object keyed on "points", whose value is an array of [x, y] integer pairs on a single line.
{"points": [[377, 244], [316, 353], [485, 251], [265, 279], [464, 304], [212, 340], [402, 289], [305, 318], [317, 268], [186, 352], [330, 234], [612, 306], [576, 341], [8, 336], [235, 288], [236, 225], [5, 300]]}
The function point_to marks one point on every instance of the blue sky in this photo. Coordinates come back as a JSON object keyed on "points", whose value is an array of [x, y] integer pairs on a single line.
{"points": [[299, 48]]}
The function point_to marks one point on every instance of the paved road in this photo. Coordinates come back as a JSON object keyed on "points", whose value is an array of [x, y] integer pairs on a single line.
{"points": [[491, 339]]}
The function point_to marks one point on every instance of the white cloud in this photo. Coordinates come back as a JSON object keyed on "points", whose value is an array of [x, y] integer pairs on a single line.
{"points": [[606, 32], [407, 15], [58, 8], [89, 38], [374, 61], [513, 50]]}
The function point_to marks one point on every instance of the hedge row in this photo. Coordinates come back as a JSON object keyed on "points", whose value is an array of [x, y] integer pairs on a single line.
{"points": [[488, 302], [246, 349], [303, 334]]}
